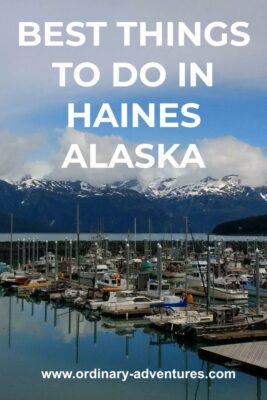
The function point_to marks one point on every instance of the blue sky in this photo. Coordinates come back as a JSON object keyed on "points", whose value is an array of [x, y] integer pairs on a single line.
{"points": [[34, 109]]}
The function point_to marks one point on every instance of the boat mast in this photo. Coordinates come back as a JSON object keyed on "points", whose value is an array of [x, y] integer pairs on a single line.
{"points": [[11, 240], [127, 264], [78, 240], [135, 236], [257, 283], [159, 261], [186, 253], [208, 274]]}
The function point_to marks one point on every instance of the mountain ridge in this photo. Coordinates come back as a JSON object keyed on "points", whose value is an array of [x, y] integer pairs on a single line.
{"points": [[51, 204]]}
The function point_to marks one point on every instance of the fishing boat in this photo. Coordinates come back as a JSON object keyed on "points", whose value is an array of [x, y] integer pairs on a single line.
{"points": [[89, 273], [112, 297], [154, 291], [179, 319], [13, 279], [220, 288], [112, 281], [136, 305], [174, 270], [227, 318], [32, 284]]}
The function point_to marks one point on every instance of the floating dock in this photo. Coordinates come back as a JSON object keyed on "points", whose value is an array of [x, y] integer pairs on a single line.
{"points": [[251, 356], [236, 337]]}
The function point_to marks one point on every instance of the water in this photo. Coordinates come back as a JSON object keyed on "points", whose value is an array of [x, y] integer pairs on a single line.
{"points": [[35, 337], [4, 237]]}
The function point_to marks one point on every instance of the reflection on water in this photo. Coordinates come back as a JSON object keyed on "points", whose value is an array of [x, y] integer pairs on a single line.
{"points": [[35, 337]]}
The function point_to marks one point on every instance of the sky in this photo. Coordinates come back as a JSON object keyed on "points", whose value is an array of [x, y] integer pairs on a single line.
{"points": [[33, 109]]}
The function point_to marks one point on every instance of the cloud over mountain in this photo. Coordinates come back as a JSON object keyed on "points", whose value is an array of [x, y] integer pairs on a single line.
{"points": [[222, 155]]}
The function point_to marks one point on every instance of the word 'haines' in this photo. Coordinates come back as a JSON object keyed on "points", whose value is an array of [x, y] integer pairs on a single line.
{"points": [[141, 156]]}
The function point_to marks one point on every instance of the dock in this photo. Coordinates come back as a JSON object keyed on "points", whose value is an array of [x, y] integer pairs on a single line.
{"points": [[236, 337], [251, 357]]}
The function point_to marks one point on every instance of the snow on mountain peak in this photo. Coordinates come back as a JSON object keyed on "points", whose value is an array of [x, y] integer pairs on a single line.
{"points": [[160, 188]]}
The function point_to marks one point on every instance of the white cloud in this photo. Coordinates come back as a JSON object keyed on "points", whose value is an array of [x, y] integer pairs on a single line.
{"points": [[14, 152], [105, 147], [222, 156]]}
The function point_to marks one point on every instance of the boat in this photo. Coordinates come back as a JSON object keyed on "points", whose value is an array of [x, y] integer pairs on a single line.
{"points": [[136, 305], [153, 289], [182, 319], [112, 281], [34, 284], [251, 289], [13, 279], [110, 298], [101, 269], [174, 270], [220, 288], [227, 318]]}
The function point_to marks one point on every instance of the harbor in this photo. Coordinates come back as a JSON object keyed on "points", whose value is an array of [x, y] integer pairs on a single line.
{"points": [[167, 299], [36, 336]]}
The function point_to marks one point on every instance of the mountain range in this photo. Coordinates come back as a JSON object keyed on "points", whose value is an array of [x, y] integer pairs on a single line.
{"points": [[50, 206]]}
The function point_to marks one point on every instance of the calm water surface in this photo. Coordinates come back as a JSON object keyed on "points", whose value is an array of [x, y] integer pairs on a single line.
{"points": [[5, 237], [36, 337]]}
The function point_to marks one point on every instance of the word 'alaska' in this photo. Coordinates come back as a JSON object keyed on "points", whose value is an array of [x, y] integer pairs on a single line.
{"points": [[144, 155]]}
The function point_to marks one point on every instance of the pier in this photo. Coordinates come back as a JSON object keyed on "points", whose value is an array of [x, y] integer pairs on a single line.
{"points": [[250, 356], [236, 337]]}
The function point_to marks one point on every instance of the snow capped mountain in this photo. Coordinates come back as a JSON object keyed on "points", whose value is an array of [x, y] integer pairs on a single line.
{"points": [[51, 204], [228, 185], [160, 188]]}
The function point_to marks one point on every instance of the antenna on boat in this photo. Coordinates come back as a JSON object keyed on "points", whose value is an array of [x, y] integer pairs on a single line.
{"points": [[135, 236], [18, 254], [46, 259], [33, 253], [159, 261], [56, 259], [186, 252], [11, 239], [70, 262], [95, 275], [78, 239], [23, 254], [257, 282], [127, 264], [208, 273], [66, 249], [149, 232], [199, 267]]}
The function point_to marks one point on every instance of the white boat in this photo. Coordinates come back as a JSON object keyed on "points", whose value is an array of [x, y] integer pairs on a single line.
{"points": [[101, 269], [220, 288], [70, 294], [112, 281], [194, 278], [223, 290], [111, 298], [153, 289], [181, 317], [137, 304]]}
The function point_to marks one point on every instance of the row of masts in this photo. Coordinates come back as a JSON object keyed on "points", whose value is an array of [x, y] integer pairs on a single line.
{"points": [[33, 255]]}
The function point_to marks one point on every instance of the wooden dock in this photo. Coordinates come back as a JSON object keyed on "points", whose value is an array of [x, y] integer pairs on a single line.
{"points": [[236, 337], [251, 356]]}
